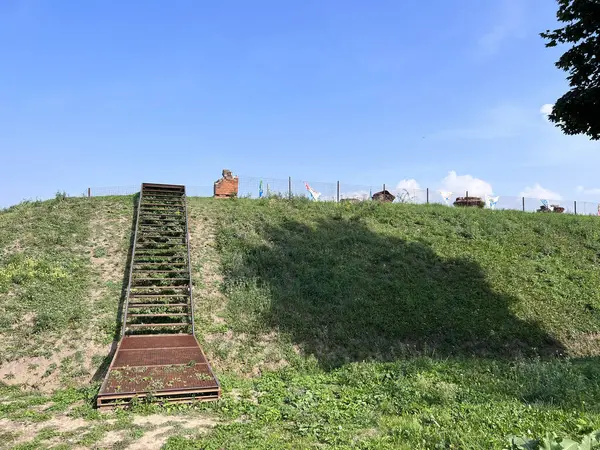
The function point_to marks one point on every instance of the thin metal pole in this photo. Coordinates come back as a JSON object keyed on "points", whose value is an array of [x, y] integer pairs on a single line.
{"points": [[338, 191], [89, 192], [384, 186], [290, 187], [428, 196], [575, 206], [523, 204], [135, 234], [189, 260], [467, 193]]}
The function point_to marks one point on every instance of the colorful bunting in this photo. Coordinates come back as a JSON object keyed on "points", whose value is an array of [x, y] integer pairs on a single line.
{"points": [[446, 196], [314, 195], [490, 202]]}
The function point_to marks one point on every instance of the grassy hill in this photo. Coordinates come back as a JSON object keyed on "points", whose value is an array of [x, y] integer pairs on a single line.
{"points": [[343, 325]]}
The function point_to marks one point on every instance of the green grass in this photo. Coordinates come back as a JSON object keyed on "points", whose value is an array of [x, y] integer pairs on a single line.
{"points": [[329, 326], [355, 282], [47, 278], [44, 273], [404, 326]]}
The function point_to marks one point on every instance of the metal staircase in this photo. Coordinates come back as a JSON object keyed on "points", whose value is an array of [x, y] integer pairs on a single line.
{"points": [[159, 295], [159, 357]]}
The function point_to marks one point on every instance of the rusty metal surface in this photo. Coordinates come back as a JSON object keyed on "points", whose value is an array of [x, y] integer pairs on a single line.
{"points": [[158, 357], [169, 362], [158, 350], [157, 364], [158, 341], [160, 379]]}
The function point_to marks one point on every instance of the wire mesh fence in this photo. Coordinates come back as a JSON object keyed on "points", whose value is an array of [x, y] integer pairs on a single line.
{"points": [[112, 190], [260, 187]]}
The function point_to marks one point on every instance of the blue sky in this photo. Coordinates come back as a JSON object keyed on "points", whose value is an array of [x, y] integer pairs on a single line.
{"points": [[443, 94]]}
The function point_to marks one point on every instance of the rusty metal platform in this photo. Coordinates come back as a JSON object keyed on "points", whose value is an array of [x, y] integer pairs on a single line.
{"points": [[158, 357], [159, 367]]}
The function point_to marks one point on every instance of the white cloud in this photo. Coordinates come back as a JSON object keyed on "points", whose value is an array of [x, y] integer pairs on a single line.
{"points": [[409, 185], [588, 191], [540, 192], [460, 184], [359, 195], [546, 109]]}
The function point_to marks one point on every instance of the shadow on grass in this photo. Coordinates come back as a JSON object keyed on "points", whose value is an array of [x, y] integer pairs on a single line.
{"points": [[345, 293], [103, 368]]}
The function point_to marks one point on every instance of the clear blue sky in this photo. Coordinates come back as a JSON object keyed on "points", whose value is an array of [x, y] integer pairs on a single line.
{"points": [[108, 93]]}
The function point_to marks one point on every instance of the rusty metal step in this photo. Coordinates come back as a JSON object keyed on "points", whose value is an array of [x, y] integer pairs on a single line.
{"points": [[146, 251], [159, 271], [162, 213], [163, 245], [159, 303], [154, 325], [166, 209], [166, 188], [161, 279], [159, 315], [160, 256], [155, 235], [179, 205], [148, 288], [155, 305], [162, 217], [154, 228], [160, 240], [156, 295], [178, 214], [160, 264]]}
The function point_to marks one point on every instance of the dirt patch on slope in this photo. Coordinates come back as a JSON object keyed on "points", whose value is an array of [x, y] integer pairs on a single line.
{"points": [[27, 431], [152, 440], [111, 438], [164, 426], [71, 359], [185, 422]]}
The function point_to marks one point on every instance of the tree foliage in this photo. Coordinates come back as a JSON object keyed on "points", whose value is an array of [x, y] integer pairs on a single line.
{"points": [[578, 111]]}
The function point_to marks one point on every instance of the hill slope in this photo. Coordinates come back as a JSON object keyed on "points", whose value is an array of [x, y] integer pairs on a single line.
{"points": [[375, 281], [377, 326]]}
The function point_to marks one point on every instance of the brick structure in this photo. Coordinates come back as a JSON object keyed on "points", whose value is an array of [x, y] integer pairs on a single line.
{"points": [[227, 185]]}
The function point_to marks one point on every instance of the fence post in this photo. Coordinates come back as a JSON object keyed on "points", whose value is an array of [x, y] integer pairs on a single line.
{"points": [[523, 199], [290, 187], [575, 206], [428, 196], [89, 192], [338, 191], [384, 186], [467, 193]]}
